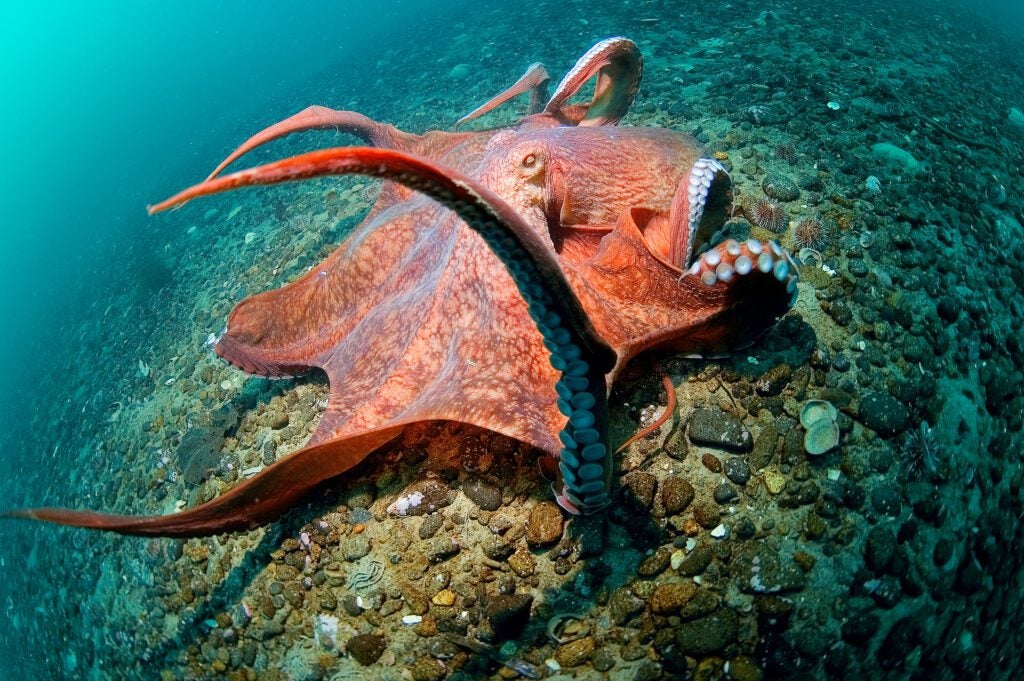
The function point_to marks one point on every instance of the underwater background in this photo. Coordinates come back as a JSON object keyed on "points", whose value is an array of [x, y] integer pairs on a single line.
{"points": [[896, 128]]}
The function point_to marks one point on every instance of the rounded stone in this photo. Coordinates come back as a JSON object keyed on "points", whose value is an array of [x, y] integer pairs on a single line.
{"points": [[366, 648], [737, 470], [483, 494], [884, 414], [667, 599], [780, 187], [544, 526], [676, 494], [575, 653]]}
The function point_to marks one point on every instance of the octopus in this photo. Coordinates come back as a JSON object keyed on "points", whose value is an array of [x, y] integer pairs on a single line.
{"points": [[503, 279]]}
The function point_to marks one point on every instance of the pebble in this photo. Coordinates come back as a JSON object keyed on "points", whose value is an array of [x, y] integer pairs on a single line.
{"points": [[623, 604], [708, 635], [773, 381], [879, 548], [427, 669], [575, 653], [715, 428], [667, 599], [676, 494], [696, 562], [724, 493], [442, 548], [639, 488], [430, 525], [355, 547], [706, 514], [737, 470], [483, 494], [508, 614], [859, 628], [278, 420], [780, 187], [883, 413], [655, 563], [885, 499], [366, 648], [544, 526], [522, 563]]}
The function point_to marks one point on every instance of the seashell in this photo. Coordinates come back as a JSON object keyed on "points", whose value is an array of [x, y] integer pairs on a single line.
{"points": [[817, 410], [821, 437]]}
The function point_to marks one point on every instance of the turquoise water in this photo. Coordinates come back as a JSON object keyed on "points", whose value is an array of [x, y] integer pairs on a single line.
{"points": [[111, 107]]}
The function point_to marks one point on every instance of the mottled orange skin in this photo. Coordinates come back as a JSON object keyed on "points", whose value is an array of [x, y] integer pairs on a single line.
{"points": [[414, 318]]}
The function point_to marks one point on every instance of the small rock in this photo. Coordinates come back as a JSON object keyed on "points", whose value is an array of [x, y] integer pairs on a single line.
{"points": [[879, 548], [427, 669], [366, 648], [708, 635], [575, 653], [602, 660], [773, 381], [522, 563], [780, 187], [483, 494], [764, 447], [430, 525], [885, 499], [508, 615], [859, 628], [623, 605], [355, 547], [737, 470], [706, 514], [724, 493], [715, 428], [655, 563], [667, 599], [899, 642], [544, 526], [638, 489], [696, 562], [442, 548], [676, 494], [883, 413], [278, 420]]}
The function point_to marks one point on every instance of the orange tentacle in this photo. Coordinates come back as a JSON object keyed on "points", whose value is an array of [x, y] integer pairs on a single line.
{"points": [[670, 409]]}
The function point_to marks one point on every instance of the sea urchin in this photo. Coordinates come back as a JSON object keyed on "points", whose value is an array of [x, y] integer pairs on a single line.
{"points": [[768, 214], [813, 233]]}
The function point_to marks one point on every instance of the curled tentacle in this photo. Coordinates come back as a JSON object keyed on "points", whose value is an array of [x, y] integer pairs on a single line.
{"points": [[618, 65]]}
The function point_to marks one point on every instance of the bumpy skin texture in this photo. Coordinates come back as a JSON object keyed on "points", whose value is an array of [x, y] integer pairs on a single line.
{"points": [[414, 318]]}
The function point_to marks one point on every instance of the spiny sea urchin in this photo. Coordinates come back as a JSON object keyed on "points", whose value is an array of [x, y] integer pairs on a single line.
{"points": [[813, 233], [768, 214]]}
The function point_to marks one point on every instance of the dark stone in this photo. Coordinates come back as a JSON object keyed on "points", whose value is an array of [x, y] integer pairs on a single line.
{"points": [[859, 628], [708, 635], [483, 494], [888, 592], [744, 528], [886, 500], [707, 515], [715, 428], [366, 648], [430, 525], [882, 413], [655, 563], [969, 575], [879, 548], [942, 552], [676, 494], [737, 470], [899, 642], [199, 453], [695, 563], [773, 381], [638, 489], [544, 526], [780, 187], [724, 493], [508, 615]]}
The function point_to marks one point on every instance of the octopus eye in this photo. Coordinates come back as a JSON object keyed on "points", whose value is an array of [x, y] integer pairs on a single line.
{"points": [[530, 160]]}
